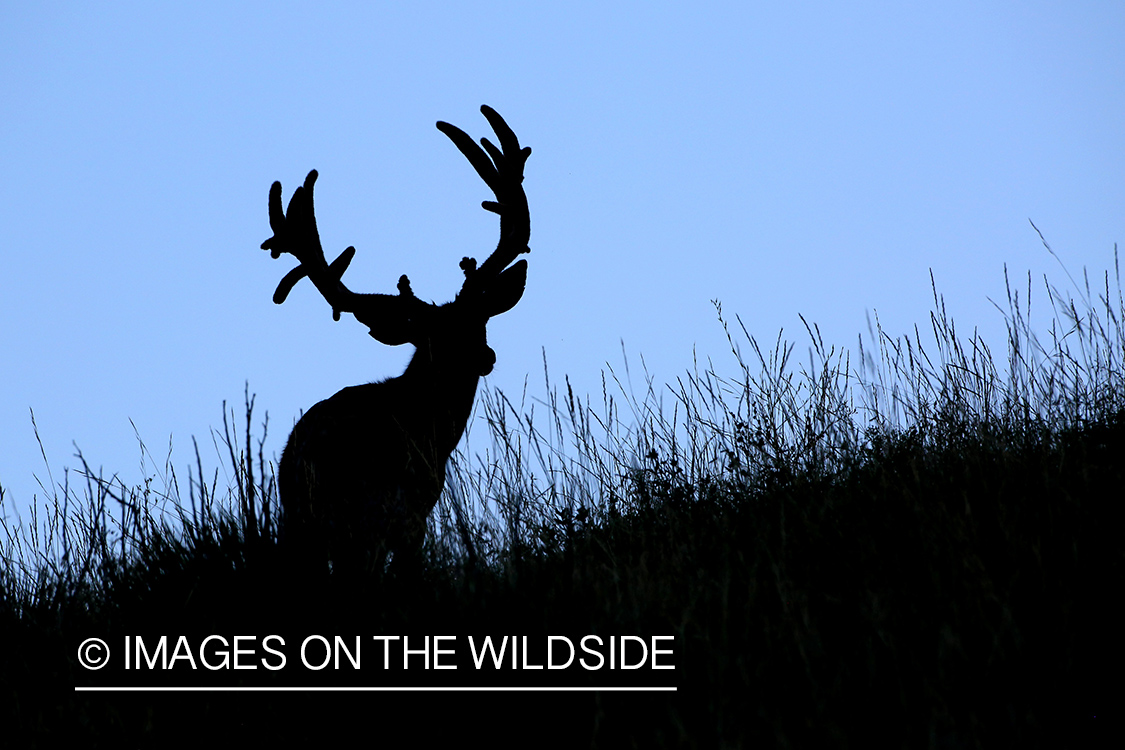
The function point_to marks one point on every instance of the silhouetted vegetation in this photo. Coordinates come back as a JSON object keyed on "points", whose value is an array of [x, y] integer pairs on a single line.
{"points": [[908, 546]]}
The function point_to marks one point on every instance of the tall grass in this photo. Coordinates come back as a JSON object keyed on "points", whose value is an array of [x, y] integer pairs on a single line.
{"points": [[777, 418], [911, 541]]}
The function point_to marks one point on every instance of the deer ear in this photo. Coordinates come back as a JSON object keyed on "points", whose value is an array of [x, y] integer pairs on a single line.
{"points": [[391, 319], [503, 293], [389, 335]]}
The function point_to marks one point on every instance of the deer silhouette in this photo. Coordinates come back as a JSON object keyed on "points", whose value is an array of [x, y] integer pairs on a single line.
{"points": [[362, 470]]}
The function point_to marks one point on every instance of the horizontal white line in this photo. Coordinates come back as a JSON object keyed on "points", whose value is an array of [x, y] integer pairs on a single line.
{"points": [[432, 689]]}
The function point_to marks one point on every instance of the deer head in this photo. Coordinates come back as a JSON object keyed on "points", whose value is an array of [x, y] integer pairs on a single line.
{"points": [[493, 287]]}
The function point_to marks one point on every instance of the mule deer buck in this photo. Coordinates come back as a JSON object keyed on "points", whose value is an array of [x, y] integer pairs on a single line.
{"points": [[362, 470]]}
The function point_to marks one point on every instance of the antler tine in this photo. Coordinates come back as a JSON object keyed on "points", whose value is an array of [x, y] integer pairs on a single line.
{"points": [[502, 170], [509, 143]]}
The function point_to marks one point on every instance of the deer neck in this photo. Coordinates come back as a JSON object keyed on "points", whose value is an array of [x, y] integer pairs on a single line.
{"points": [[446, 392]]}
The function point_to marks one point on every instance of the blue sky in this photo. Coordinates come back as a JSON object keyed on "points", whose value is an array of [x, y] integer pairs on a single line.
{"points": [[811, 158]]}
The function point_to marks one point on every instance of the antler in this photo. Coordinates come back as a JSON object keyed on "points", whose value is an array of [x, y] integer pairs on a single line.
{"points": [[295, 232], [502, 170], [390, 317]]}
